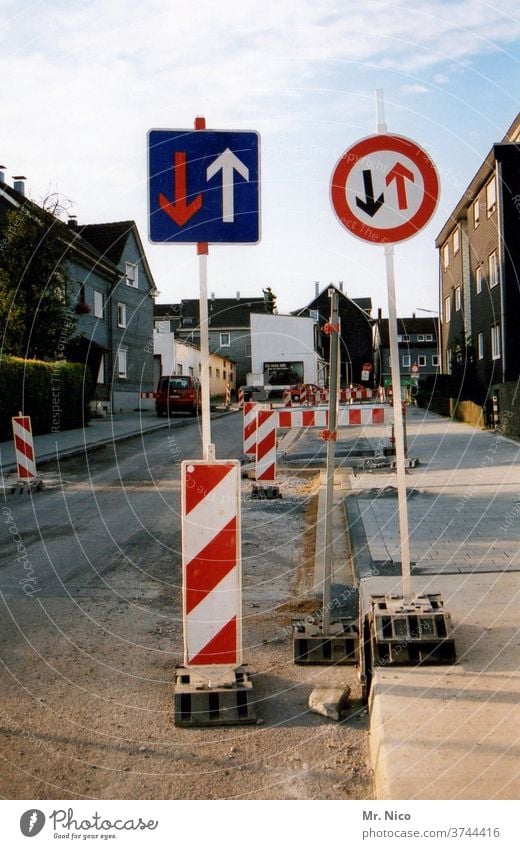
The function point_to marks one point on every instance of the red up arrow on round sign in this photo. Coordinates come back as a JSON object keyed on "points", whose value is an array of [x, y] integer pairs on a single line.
{"points": [[384, 189]]}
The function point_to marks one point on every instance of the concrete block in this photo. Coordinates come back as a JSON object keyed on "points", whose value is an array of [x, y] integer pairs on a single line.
{"points": [[331, 702]]}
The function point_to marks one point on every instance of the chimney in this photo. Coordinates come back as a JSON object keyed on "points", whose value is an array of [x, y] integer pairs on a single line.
{"points": [[340, 285], [19, 184], [73, 222], [238, 296], [413, 315], [213, 296], [2, 175], [379, 314], [316, 288]]}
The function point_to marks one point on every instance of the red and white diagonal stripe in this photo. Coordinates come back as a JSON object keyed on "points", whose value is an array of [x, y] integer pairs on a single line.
{"points": [[266, 444], [250, 428], [24, 447], [211, 561]]}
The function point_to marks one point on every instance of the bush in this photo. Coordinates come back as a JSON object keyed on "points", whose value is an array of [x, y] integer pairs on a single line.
{"points": [[55, 395]]}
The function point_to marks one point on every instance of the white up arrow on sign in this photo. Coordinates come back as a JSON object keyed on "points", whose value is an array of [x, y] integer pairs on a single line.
{"points": [[227, 162]]}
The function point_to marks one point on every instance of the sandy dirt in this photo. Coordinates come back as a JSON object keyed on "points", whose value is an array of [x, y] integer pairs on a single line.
{"points": [[87, 683]]}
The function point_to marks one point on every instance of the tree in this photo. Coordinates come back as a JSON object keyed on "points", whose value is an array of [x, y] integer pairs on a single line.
{"points": [[34, 314], [269, 300]]}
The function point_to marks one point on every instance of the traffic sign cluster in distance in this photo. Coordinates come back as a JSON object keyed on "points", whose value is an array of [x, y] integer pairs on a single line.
{"points": [[204, 186], [384, 189]]}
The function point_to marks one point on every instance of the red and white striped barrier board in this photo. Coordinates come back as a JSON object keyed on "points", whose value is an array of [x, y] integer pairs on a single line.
{"points": [[287, 398], [303, 395], [250, 428], [211, 563], [240, 397], [228, 395], [24, 447], [353, 416], [266, 444], [148, 395]]}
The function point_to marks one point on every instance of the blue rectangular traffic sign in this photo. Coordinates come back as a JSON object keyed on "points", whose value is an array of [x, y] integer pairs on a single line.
{"points": [[204, 186]]}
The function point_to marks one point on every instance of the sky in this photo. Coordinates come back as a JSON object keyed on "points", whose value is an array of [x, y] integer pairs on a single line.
{"points": [[83, 82]]}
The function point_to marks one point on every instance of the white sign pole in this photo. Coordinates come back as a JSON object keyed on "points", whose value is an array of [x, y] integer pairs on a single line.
{"points": [[398, 423], [208, 450]]}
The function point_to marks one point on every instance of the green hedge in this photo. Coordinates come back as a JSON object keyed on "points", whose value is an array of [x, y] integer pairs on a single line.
{"points": [[55, 395]]}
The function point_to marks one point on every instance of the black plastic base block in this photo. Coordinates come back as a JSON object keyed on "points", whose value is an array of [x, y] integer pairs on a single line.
{"points": [[198, 703], [410, 632], [312, 647]]}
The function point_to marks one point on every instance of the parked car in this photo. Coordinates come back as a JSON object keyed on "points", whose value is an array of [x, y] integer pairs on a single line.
{"points": [[177, 394]]}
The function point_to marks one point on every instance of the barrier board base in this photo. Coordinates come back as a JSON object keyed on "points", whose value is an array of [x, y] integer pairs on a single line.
{"points": [[409, 632], [265, 492], [312, 647], [213, 697]]}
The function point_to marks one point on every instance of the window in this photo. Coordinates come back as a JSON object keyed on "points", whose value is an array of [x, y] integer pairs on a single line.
{"points": [[121, 315], [217, 373], [448, 361], [428, 337], [446, 256], [420, 337], [476, 213], [447, 310], [421, 360], [225, 340], [456, 241], [493, 270], [406, 338], [132, 274], [491, 197], [179, 368], [210, 371], [98, 304], [190, 370], [121, 363], [495, 342], [478, 279], [224, 374], [458, 299], [162, 326], [480, 346], [435, 360], [406, 360]]}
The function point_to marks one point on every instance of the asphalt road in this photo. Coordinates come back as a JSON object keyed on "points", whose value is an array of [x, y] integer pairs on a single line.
{"points": [[119, 504]]}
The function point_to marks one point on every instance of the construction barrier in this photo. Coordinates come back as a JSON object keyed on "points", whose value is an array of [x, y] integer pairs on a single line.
{"points": [[266, 445], [228, 395], [148, 395], [24, 447], [240, 397], [211, 564], [287, 398], [250, 409], [353, 416]]}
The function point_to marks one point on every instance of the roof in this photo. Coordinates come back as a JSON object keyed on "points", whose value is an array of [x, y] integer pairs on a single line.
{"points": [[222, 312], [482, 176], [109, 239], [409, 326], [362, 304]]}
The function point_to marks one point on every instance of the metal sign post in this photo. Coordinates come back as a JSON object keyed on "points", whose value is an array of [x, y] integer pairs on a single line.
{"points": [[331, 454], [384, 190], [208, 449]]}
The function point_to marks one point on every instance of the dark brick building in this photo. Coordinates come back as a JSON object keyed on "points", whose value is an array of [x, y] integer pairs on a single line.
{"points": [[479, 252]]}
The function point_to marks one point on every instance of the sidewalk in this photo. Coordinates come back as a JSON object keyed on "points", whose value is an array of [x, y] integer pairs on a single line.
{"points": [[99, 432], [448, 732]]}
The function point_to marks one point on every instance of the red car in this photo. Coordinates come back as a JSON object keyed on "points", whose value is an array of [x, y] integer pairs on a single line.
{"points": [[177, 394]]}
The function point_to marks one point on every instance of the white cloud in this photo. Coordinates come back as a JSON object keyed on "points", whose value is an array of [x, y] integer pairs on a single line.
{"points": [[414, 88]]}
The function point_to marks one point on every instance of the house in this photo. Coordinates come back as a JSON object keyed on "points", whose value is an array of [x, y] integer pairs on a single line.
{"points": [[228, 327], [180, 357], [418, 343], [287, 349], [356, 330], [479, 257], [127, 310], [110, 294]]}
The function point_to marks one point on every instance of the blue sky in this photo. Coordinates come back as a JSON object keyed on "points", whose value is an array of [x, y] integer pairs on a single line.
{"points": [[83, 82]]}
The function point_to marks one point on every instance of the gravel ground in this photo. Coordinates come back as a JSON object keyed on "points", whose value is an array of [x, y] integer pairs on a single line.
{"points": [[87, 689]]}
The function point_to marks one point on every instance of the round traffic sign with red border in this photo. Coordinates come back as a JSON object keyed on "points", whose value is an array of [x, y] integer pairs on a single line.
{"points": [[384, 189]]}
